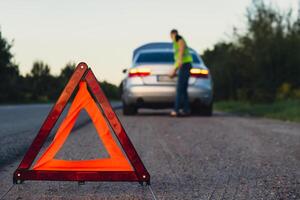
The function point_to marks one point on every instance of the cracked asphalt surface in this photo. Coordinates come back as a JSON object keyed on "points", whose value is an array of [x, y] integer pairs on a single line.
{"points": [[219, 157]]}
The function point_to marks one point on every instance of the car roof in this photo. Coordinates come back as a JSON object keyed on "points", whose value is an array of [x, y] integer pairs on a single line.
{"points": [[162, 46]]}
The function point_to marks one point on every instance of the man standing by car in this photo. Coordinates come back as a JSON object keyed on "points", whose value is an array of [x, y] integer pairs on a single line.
{"points": [[183, 63]]}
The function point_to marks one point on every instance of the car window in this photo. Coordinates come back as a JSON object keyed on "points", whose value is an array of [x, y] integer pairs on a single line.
{"points": [[156, 57], [161, 57], [195, 59]]}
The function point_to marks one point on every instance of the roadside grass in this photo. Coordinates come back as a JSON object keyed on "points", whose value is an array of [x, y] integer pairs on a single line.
{"points": [[288, 110]]}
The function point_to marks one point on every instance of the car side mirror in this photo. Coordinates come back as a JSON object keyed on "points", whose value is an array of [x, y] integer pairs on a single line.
{"points": [[124, 71]]}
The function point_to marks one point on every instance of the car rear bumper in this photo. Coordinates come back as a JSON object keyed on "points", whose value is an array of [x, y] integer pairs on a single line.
{"points": [[163, 95]]}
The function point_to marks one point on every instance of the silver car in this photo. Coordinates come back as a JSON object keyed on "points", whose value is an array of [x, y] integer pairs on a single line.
{"points": [[148, 85]]}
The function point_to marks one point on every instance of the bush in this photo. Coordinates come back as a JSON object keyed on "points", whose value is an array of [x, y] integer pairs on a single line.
{"points": [[284, 91], [296, 94]]}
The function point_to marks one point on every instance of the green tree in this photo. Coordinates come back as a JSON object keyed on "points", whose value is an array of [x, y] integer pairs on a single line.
{"points": [[41, 83], [9, 73], [111, 91], [62, 80], [66, 73]]}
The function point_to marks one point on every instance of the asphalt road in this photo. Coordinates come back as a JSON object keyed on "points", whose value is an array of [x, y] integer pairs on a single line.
{"points": [[219, 157]]}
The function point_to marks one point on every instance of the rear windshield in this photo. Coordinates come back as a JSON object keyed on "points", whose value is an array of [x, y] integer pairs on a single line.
{"points": [[161, 57]]}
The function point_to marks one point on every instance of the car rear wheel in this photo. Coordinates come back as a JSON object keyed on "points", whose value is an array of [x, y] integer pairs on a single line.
{"points": [[207, 110], [129, 109], [204, 110]]}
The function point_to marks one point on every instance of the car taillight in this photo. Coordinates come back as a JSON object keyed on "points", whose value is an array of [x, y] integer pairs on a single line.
{"points": [[199, 73], [139, 72]]}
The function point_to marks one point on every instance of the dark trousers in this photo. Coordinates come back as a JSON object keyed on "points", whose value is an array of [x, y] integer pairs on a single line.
{"points": [[182, 99]]}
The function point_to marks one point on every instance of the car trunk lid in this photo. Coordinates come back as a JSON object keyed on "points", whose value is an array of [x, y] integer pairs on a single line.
{"points": [[159, 74]]}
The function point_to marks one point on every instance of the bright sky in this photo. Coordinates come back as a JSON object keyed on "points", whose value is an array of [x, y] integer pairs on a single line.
{"points": [[104, 33]]}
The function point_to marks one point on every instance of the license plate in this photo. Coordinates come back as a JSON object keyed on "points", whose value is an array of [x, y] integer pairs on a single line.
{"points": [[166, 79]]}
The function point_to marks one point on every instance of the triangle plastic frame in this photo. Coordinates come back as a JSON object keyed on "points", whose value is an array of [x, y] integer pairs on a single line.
{"points": [[139, 173]]}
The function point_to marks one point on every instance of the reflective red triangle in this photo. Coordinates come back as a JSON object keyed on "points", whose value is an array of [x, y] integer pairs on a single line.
{"points": [[114, 168]]}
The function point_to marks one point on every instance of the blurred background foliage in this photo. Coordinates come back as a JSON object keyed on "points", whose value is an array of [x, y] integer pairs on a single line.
{"points": [[261, 64]]}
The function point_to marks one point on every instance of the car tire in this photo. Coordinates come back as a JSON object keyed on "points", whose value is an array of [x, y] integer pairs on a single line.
{"points": [[129, 109], [207, 110], [202, 110]]}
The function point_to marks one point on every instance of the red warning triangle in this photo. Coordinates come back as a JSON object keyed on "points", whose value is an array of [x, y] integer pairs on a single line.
{"points": [[118, 167]]}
